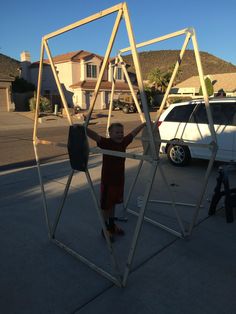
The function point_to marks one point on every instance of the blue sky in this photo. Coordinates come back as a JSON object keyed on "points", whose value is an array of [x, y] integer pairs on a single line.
{"points": [[23, 23]]}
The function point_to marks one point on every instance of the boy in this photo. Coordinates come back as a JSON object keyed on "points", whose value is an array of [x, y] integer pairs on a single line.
{"points": [[113, 172]]}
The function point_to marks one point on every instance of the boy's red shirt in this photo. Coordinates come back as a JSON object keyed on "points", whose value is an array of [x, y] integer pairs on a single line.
{"points": [[113, 167]]}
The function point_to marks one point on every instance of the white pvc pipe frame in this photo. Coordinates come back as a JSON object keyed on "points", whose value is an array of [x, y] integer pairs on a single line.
{"points": [[190, 34], [122, 11]]}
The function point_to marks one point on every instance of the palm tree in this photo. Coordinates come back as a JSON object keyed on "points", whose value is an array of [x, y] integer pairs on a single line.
{"points": [[161, 79], [155, 77]]}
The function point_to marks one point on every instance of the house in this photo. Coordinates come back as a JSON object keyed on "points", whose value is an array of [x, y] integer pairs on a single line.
{"points": [[6, 103], [223, 84], [78, 72], [9, 70]]}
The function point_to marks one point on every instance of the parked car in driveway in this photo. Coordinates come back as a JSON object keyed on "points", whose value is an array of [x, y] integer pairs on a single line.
{"points": [[125, 103], [187, 121]]}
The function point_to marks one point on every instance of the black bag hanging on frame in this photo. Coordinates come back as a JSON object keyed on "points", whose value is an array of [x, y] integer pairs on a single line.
{"points": [[78, 147]]}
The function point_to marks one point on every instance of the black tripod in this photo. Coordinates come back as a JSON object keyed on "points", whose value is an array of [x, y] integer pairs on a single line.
{"points": [[229, 194]]}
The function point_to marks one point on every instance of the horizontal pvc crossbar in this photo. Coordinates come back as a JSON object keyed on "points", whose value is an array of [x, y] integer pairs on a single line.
{"points": [[158, 224], [120, 154], [158, 39], [87, 262], [85, 21]]}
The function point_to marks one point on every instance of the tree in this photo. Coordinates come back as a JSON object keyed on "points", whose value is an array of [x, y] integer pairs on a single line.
{"points": [[209, 87], [160, 79], [155, 77], [20, 85], [150, 95]]}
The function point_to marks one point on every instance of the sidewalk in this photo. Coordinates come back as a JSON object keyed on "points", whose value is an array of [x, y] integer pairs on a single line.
{"points": [[169, 275]]}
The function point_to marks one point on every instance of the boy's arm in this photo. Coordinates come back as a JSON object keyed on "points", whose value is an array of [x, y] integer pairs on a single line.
{"points": [[93, 135], [138, 129]]}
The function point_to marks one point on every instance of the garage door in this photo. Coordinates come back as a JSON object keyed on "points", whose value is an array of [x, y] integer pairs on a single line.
{"points": [[88, 97], [3, 99]]}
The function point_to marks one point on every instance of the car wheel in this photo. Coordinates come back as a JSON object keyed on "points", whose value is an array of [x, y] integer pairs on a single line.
{"points": [[178, 155], [125, 109], [132, 108]]}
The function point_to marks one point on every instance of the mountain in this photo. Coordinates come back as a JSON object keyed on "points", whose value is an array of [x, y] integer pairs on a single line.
{"points": [[165, 59], [9, 66]]}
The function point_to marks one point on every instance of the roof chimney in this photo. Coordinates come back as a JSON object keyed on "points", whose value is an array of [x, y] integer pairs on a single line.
{"points": [[25, 56]]}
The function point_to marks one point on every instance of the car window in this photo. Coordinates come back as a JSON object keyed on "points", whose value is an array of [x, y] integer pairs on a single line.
{"points": [[228, 112], [180, 113], [222, 113], [199, 115]]}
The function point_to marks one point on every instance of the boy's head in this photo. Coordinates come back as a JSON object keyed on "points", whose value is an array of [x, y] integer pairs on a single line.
{"points": [[116, 132]]}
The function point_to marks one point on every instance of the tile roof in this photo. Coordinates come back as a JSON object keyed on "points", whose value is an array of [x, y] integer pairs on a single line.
{"points": [[73, 56], [70, 56], [105, 85], [225, 81]]}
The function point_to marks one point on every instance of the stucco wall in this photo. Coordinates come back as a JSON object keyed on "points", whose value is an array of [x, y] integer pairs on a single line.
{"points": [[76, 72], [48, 81], [65, 73]]}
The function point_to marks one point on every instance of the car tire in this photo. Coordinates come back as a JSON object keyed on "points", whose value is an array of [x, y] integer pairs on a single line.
{"points": [[132, 108], [178, 155]]}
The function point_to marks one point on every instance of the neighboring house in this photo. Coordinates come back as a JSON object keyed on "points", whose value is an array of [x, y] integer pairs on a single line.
{"points": [[9, 70], [6, 103], [223, 84], [78, 72]]}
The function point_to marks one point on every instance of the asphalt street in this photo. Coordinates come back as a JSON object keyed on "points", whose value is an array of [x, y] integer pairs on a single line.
{"points": [[17, 147]]}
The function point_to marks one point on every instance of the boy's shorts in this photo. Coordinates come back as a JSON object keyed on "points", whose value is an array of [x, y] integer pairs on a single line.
{"points": [[111, 195]]}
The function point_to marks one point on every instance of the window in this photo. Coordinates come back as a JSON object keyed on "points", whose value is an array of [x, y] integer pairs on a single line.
{"points": [[91, 70], [180, 113], [119, 74], [200, 115], [222, 113]]}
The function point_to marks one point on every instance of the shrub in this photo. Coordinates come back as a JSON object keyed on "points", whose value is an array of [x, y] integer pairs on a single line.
{"points": [[177, 99], [44, 104], [151, 95], [209, 87]]}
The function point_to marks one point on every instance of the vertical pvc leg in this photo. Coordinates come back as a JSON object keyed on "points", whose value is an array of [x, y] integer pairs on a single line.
{"points": [[139, 222], [173, 76], [206, 179], [115, 265], [139, 78], [112, 98], [104, 65], [131, 88], [42, 191], [62, 203], [132, 185], [173, 201]]}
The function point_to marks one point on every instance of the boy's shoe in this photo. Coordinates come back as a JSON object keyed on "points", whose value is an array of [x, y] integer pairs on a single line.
{"points": [[115, 230], [110, 235]]}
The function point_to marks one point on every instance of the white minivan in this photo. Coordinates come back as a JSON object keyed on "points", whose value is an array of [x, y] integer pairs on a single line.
{"points": [[187, 121]]}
